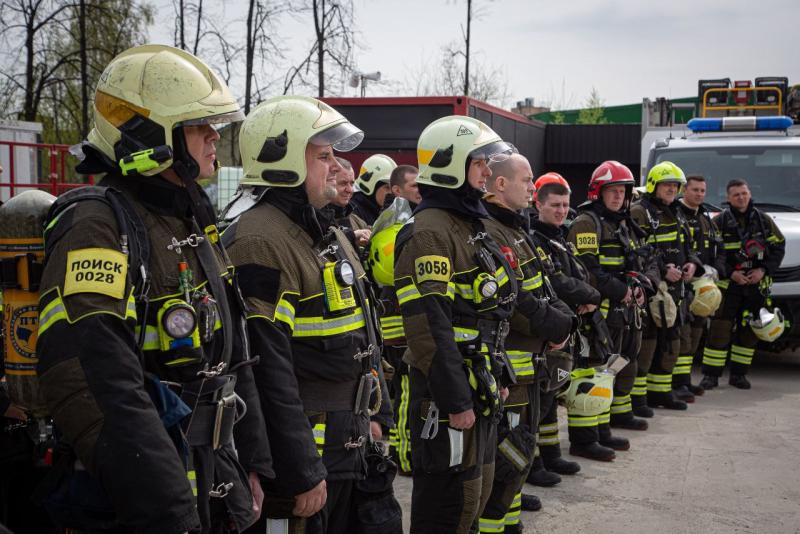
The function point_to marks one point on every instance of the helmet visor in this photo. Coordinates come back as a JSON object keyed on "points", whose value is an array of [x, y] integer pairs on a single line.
{"points": [[494, 152], [222, 118], [344, 137]]}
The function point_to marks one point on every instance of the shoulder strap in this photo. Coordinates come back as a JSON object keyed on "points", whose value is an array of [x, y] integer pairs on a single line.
{"points": [[598, 222], [133, 236]]}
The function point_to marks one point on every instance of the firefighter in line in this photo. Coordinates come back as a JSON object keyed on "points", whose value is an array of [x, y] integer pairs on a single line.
{"points": [[704, 238], [657, 213], [751, 252], [571, 282], [372, 187], [456, 296], [309, 317], [403, 184], [509, 191], [342, 210], [611, 247], [139, 328]]}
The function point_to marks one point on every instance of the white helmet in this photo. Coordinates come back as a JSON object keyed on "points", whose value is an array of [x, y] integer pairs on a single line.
{"points": [[768, 325], [375, 170], [707, 297]]}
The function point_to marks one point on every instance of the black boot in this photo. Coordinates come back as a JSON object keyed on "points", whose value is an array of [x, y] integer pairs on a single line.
{"points": [[683, 393], [539, 476], [629, 423], [739, 381], [612, 442], [592, 451], [531, 503], [665, 400], [697, 391], [640, 407], [516, 529], [561, 466], [709, 382]]}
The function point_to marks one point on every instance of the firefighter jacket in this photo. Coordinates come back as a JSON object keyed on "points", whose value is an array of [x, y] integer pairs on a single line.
{"points": [[668, 235], [567, 275], [750, 240], [610, 244], [703, 234], [101, 340], [553, 319], [365, 207], [345, 217], [310, 330]]}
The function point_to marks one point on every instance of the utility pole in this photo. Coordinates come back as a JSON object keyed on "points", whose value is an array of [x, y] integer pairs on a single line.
{"points": [[466, 56]]}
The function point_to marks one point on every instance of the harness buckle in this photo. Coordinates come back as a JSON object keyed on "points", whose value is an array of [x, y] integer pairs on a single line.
{"points": [[354, 444], [212, 371], [221, 491], [477, 237]]}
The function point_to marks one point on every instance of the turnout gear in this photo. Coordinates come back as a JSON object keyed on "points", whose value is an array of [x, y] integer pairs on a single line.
{"points": [[668, 235], [21, 255], [273, 140], [374, 172], [309, 317], [665, 172], [144, 96], [729, 331]]}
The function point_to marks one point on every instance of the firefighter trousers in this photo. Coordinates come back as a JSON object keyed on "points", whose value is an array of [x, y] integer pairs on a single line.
{"points": [[690, 334], [629, 341], [400, 434], [729, 334]]}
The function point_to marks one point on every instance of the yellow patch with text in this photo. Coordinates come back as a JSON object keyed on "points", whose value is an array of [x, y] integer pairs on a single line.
{"points": [[435, 268], [586, 240], [542, 254], [96, 270]]}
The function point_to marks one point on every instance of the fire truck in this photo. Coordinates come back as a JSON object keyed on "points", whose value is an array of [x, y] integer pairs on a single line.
{"points": [[743, 130]]}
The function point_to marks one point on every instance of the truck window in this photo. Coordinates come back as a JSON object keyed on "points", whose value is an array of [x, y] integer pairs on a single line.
{"points": [[772, 172]]}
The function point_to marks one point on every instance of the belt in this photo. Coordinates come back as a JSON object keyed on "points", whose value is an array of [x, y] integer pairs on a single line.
{"points": [[319, 396], [492, 333]]}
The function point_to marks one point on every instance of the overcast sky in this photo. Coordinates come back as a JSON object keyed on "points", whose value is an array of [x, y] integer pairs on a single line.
{"points": [[556, 51]]}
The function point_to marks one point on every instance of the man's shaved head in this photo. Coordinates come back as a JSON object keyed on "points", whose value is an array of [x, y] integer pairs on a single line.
{"points": [[511, 181], [508, 167]]}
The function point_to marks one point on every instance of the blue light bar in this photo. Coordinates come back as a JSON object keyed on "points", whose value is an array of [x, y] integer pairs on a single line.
{"points": [[741, 124]]}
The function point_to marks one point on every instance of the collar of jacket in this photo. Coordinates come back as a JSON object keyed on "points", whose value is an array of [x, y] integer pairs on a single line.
{"points": [[465, 201], [548, 230], [339, 212], [503, 213], [655, 201], [743, 215], [688, 210], [293, 201], [366, 203], [156, 193], [600, 209]]}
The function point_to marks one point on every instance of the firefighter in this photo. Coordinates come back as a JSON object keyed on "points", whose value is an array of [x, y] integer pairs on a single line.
{"points": [[140, 339], [372, 187], [456, 297], [509, 190], [403, 183], [704, 238], [657, 213], [611, 247], [340, 205], [308, 316], [570, 280], [751, 252]]}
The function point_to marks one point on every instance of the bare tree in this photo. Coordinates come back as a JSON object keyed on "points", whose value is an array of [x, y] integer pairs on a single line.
{"points": [[261, 37], [332, 48], [184, 13]]}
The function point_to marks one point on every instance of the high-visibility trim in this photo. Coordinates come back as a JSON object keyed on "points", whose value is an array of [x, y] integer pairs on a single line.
{"points": [[403, 431], [513, 515], [535, 282], [548, 428], [486, 524], [639, 386], [55, 311], [714, 357], [462, 290], [464, 334], [663, 238], [192, 476], [319, 437], [621, 404], [605, 305], [659, 383], [723, 284], [604, 418], [612, 261], [522, 362], [502, 276], [683, 366], [742, 355], [285, 312], [407, 294], [732, 245], [774, 239], [392, 327], [321, 327], [581, 421], [507, 449]]}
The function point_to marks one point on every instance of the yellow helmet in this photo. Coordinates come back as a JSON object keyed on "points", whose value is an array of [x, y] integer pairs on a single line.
{"points": [[663, 173], [274, 136], [143, 95], [590, 392], [381, 255], [707, 297], [375, 169], [768, 325], [447, 144]]}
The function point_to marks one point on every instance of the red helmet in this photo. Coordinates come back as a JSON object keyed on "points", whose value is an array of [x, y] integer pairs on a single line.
{"points": [[549, 178], [608, 173]]}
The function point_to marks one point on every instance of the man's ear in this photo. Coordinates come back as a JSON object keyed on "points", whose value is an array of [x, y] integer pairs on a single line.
{"points": [[500, 183]]}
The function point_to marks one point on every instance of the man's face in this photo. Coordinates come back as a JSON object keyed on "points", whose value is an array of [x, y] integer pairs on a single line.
{"points": [[666, 193], [201, 143], [739, 197], [382, 189], [554, 209], [694, 193], [344, 187], [321, 170], [518, 188], [409, 190], [613, 196], [478, 173]]}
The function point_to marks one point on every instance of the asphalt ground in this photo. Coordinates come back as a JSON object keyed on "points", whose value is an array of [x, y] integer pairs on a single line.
{"points": [[729, 464]]}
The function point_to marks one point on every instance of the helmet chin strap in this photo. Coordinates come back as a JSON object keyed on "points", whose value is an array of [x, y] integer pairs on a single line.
{"points": [[188, 171]]}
